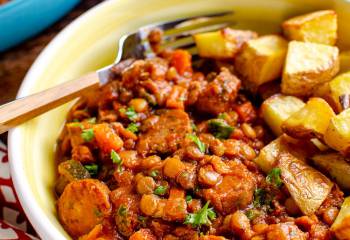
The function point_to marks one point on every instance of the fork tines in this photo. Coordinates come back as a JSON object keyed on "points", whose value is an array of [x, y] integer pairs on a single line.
{"points": [[178, 33]]}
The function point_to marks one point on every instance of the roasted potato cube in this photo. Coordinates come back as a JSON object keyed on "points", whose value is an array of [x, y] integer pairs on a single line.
{"points": [[267, 158], [336, 92], [307, 186], [261, 60], [277, 108], [317, 27], [310, 121], [337, 135], [341, 225], [344, 61], [336, 165], [307, 65], [222, 44], [269, 155]]}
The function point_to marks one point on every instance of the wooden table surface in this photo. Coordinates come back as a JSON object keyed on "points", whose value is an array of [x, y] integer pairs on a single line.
{"points": [[15, 62]]}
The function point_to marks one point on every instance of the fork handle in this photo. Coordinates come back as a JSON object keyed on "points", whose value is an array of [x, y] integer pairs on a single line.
{"points": [[23, 109]]}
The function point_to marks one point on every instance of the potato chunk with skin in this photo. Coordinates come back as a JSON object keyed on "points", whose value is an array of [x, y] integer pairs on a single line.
{"points": [[337, 135], [310, 121], [83, 205], [261, 60], [308, 65], [269, 155], [336, 92], [336, 165], [317, 27], [222, 44], [277, 108], [307, 186], [341, 225]]}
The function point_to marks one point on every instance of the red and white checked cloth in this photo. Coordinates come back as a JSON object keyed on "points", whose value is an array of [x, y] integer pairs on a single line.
{"points": [[13, 222]]}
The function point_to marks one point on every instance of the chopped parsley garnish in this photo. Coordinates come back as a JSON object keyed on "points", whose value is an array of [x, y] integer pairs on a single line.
{"points": [[222, 115], [194, 127], [154, 173], [188, 198], [274, 177], [92, 120], [116, 159], [132, 127], [97, 212], [142, 220], [92, 169], [122, 211], [219, 128], [129, 112], [160, 190], [252, 214], [87, 135], [202, 217], [261, 198], [201, 146]]}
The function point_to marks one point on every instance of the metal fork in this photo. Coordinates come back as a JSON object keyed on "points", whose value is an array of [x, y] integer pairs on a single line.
{"points": [[177, 34]]}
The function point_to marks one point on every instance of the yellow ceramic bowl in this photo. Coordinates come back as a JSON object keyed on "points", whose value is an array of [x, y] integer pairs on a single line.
{"points": [[90, 43]]}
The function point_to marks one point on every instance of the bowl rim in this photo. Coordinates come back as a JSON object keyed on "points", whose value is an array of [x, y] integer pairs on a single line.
{"points": [[33, 211]]}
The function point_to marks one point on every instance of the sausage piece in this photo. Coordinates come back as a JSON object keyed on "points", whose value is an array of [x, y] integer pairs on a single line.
{"points": [[166, 135], [219, 94], [83, 205]]}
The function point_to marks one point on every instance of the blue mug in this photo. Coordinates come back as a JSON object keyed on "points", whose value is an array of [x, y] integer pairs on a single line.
{"points": [[21, 19]]}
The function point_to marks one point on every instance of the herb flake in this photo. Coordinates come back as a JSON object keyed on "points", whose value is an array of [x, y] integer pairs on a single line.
{"points": [[160, 190], [274, 177], [133, 127], [116, 159], [202, 217], [154, 173], [92, 169], [129, 112], [201, 146], [88, 134], [188, 198], [219, 128]]}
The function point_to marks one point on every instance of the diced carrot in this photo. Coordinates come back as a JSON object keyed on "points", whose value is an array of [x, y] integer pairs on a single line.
{"points": [[176, 193], [181, 60], [246, 112], [143, 234], [106, 138]]}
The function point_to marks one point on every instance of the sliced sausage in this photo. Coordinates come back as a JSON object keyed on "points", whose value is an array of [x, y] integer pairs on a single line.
{"points": [[83, 205]]}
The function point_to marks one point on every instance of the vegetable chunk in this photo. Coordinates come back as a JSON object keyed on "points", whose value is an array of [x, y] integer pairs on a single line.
{"points": [[222, 44], [269, 155], [261, 60], [307, 65], [317, 27], [83, 205], [336, 92], [336, 165], [337, 135], [277, 108], [69, 171], [341, 225], [307, 186], [310, 121]]}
